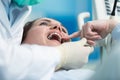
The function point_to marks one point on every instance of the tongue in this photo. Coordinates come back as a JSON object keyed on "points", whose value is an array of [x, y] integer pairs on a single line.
{"points": [[54, 38]]}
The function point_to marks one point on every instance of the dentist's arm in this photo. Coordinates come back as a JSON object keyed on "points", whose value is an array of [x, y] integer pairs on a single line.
{"points": [[39, 62], [27, 62]]}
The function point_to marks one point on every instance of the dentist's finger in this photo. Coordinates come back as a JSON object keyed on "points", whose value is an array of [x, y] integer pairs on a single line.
{"points": [[88, 30], [75, 34], [93, 37], [90, 42]]}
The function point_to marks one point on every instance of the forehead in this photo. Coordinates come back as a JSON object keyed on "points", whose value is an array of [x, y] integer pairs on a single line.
{"points": [[47, 20]]}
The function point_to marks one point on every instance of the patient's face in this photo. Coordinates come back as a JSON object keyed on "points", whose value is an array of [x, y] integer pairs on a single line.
{"points": [[46, 31]]}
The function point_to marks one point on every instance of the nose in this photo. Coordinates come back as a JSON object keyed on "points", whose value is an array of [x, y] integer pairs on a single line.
{"points": [[57, 27]]}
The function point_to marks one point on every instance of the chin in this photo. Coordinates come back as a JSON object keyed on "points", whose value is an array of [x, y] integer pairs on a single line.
{"points": [[54, 44]]}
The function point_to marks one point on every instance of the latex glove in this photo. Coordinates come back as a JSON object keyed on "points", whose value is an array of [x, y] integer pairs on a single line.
{"points": [[74, 54], [97, 30]]}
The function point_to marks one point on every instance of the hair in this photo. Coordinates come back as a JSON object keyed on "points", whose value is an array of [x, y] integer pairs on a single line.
{"points": [[26, 28]]}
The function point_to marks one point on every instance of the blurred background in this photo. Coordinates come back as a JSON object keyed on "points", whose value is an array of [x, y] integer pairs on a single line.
{"points": [[65, 11]]}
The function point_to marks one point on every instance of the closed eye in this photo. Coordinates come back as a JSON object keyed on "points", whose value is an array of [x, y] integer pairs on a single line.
{"points": [[44, 23]]}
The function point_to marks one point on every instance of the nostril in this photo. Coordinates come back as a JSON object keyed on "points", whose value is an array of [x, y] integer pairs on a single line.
{"points": [[57, 27], [54, 27]]}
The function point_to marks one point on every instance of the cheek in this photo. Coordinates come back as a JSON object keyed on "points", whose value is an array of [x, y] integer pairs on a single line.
{"points": [[65, 35], [39, 37], [38, 33]]}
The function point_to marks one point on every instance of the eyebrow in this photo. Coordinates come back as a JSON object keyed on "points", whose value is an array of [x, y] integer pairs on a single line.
{"points": [[46, 20], [49, 21]]}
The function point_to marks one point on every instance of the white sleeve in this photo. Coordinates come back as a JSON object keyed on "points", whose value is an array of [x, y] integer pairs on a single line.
{"points": [[12, 20], [27, 62], [116, 32]]}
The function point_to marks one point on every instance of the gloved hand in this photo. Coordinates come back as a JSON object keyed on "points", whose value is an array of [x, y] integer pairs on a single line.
{"points": [[74, 54], [97, 30]]}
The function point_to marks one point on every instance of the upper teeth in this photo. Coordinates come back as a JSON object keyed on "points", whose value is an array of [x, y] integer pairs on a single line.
{"points": [[59, 37]]}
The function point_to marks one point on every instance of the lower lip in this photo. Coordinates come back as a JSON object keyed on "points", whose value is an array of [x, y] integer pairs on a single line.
{"points": [[55, 41]]}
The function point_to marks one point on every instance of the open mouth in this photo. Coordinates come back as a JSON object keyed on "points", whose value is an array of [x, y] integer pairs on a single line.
{"points": [[55, 36]]}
